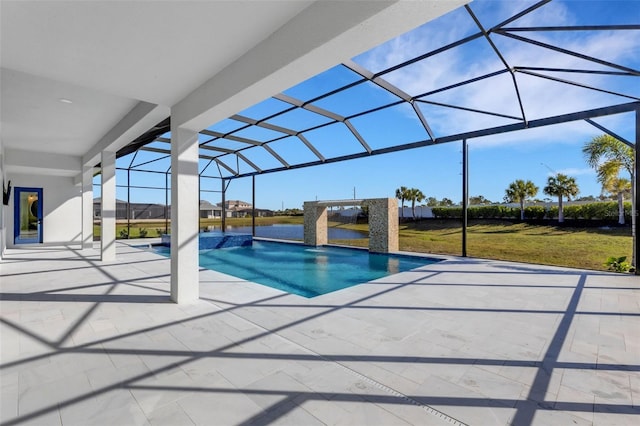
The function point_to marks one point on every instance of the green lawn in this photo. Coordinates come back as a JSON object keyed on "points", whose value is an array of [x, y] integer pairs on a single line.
{"points": [[575, 247], [548, 245]]}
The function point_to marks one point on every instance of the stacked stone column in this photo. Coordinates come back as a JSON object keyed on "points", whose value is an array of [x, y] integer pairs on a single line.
{"points": [[383, 225], [315, 224]]}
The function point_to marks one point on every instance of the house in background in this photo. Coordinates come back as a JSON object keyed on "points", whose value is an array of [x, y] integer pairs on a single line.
{"points": [[209, 211], [239, 208], [249, 211], [235, 205]]}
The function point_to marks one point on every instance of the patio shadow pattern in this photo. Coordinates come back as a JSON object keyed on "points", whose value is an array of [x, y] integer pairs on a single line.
{"points": [[463, 341]]}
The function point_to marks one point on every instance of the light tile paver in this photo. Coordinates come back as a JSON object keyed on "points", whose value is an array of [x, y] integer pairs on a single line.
{"points": [[474, 341]]}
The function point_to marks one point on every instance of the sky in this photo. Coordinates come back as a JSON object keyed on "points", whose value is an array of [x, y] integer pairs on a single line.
{"points": [[494, 161]]}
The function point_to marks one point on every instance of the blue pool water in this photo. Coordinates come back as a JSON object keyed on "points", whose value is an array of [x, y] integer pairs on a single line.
{"points": [[304, 270]]}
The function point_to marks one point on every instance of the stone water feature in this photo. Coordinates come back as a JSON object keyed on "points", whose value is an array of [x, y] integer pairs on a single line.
{"points": [[383, 222]]}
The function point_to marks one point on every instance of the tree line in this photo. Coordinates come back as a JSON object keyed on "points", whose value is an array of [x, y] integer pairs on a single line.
{"points": [[607, 155], [603, 210]]}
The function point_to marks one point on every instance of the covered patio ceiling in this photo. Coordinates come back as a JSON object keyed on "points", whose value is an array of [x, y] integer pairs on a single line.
{"points": [[522, 70]]}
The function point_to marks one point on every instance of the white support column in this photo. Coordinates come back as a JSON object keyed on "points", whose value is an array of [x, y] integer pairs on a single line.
{"points": [[87, 207], [108, 206], [184, 215]]}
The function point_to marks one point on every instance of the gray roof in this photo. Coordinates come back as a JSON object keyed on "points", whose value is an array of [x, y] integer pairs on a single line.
{"points": [[206, 205]]}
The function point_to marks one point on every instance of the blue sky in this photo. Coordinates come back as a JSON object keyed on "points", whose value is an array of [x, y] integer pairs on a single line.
{"points": [[436, 170]]}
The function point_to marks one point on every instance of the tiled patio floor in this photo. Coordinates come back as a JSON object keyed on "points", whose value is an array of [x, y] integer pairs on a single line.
{"points": [[462, 341]]}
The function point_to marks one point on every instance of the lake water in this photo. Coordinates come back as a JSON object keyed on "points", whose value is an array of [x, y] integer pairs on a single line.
{"points": [[292, 232]]}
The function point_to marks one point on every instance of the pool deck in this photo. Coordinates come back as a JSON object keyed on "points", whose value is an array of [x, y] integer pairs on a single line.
{"points": [[463, 341]]}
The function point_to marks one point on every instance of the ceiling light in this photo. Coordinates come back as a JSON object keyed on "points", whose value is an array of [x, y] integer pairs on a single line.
{"points": [[65, 101]]}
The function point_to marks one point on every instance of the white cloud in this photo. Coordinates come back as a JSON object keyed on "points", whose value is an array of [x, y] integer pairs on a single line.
{"points": [[425, 38], [573, 171], [554, 13], [540, 97], [561, 134]]}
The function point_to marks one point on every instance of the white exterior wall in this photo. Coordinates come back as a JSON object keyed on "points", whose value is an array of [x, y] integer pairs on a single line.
{"points": [[421, 211], [62, 208], [3, 208]]}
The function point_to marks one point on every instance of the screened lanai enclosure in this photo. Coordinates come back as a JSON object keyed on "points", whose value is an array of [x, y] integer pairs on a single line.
{"points": [[486, 71]]}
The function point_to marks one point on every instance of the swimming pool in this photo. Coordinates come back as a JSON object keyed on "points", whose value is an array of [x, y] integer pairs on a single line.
{"points": [[304, 270]]}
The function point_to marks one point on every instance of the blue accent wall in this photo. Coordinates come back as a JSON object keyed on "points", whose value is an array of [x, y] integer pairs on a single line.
{"points": [[216, 240]]}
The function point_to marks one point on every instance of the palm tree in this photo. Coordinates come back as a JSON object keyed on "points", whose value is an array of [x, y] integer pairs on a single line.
{"points": [[518, 192], [609, 156], [414, 195], [561, 185], [402, 194], [620, 187]]}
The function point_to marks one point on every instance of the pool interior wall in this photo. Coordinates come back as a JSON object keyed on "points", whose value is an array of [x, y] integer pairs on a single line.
{"points": [[307, 271]]}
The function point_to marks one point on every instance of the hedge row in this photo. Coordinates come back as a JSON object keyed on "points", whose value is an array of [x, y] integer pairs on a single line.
{"points": [[603, 210], [608, 210]]}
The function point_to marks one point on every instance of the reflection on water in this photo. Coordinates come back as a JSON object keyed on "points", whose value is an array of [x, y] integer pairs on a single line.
{"points": [[289, 232], [381, 262], [393, 265]]}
